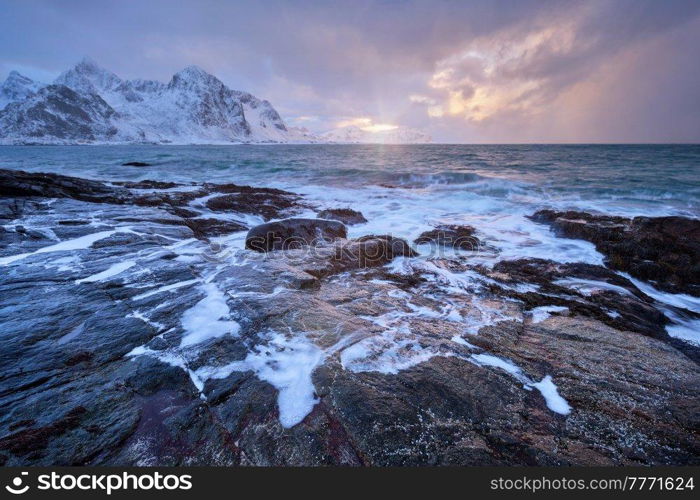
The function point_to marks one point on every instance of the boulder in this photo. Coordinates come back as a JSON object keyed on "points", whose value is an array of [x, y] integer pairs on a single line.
{"points": [[455, 236], [290, 234], [365, 252], [268, 205], [136, 164], [17, 183], [206, 227], [344, 215]]}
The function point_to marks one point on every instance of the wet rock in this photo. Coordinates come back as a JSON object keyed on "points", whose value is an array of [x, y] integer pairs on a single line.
{"points": [[293, 234], [167, 198], [136, 164], [365, 252], [78, 334], [146, 184], [207, 227], [664, 250], [267, 204], [344, 215], [16, 183], [617, 388], [36, 439], [540, 282], [303, 268], [455, 236]]}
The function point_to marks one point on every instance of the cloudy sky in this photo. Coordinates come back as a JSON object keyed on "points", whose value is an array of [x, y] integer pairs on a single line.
{"points": [[464, 71]]}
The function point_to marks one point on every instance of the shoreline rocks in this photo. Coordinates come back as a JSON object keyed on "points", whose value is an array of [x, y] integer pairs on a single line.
{"points": [[136, 164], [290, 234], [663, 250], [266, 202], [428, 361], [347, 216], [454, 236]]}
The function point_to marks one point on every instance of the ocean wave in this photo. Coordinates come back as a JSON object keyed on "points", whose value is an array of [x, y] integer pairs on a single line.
{"points": [[415, 180]]}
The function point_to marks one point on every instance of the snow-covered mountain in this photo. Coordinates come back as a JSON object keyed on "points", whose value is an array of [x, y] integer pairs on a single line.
{"points": [[90, 104], [356, 135], [57, 114], [17, 87]]}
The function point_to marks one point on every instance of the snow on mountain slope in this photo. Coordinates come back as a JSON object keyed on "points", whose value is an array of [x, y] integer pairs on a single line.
{"points": [[88, 77], [89, 104], [356, 135], [57, 114], [16, 88], [193, 107]]}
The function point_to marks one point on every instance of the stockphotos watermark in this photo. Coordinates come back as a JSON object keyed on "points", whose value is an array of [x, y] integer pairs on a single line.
{"points": [[106, 483]]}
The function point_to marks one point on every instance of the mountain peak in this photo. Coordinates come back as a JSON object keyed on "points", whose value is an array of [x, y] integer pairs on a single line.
{"points": [[17, 77], [193, 73], [90, 67], [193, 69], [17, 87], [194, 77], [88, 76], [194, 107], [88, 62]]}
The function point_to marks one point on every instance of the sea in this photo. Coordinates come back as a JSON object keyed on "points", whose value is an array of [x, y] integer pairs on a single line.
{"points": [[404, 190]]}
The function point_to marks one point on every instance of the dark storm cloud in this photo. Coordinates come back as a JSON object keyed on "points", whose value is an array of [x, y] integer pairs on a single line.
{"points": [[465, 71]]}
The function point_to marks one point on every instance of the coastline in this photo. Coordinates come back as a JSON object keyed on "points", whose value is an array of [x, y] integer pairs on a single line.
{"points": [[319, 354]]}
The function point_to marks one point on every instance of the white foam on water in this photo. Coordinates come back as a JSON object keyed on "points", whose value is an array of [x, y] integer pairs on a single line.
{"points": [[110, 272], [165, 288], [685, 329], [553, 400], [287, 363], [64, 264], [684, 326], [146, 319], [496, 362], [546, 387], [205, 320], [80, 243], [541, 313], [681, 300], [496, 207], [589, 287], [459, 340], [389, 353], [173, 358]]}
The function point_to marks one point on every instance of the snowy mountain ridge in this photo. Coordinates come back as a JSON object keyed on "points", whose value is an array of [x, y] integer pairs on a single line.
{"points": [[89, 104]]}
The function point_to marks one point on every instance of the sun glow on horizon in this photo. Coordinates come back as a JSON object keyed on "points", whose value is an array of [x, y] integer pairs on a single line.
{"points": [[366, 124]]}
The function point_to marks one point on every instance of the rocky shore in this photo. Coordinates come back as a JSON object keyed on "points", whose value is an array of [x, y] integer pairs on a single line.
{"points": [[154, 323]]}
